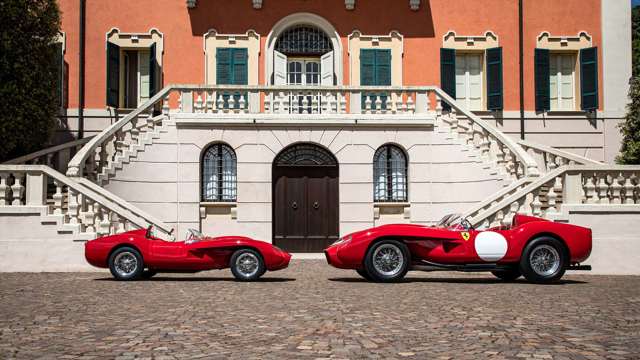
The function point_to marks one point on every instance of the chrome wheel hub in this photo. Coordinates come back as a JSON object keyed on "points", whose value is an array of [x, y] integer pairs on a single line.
{"points": [[247, 264], [388, 259], [545, 260], [126, 264]]}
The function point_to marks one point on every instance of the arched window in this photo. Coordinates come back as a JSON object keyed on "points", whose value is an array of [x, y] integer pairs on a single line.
{"points": [[304, 40], [219, 173], [389, 174]]}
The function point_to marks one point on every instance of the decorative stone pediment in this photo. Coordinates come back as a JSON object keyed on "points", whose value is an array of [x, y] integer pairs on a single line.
{"points": [[470, 42], [546, 41]]}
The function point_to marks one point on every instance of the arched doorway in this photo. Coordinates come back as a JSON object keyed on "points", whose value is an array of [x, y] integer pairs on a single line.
{"points": [[305, 198]]}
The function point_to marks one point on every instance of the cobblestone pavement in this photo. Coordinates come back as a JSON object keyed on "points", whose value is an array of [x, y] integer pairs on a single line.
{"points": [[313, 311]]}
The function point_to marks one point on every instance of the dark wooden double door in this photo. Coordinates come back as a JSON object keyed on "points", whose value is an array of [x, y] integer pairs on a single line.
{"points": [[305, 207]]}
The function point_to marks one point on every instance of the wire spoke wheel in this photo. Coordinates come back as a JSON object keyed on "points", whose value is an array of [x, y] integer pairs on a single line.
{"points": [[125, 264], [247, 264], [545, 260], [388, 259]]}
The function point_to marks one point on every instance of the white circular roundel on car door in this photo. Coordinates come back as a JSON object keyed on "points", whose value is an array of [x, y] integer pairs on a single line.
{"points": [[490, 246]]}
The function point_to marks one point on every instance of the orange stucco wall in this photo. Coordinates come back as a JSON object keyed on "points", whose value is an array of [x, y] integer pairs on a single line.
{"points": [[423, 31]]}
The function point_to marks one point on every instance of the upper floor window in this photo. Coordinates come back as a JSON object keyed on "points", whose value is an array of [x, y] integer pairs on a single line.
{"points": [[566, 73], [469, 80], [389, 174], [219, 174], [303, 40]]}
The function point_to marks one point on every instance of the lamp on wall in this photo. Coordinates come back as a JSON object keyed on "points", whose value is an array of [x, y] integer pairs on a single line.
{"points": [[414, 4], [257, 4], [350, 4], [192, 3]]}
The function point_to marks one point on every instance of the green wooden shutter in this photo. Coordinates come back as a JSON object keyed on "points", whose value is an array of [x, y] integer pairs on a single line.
{"points": [[448, 71], [240, 72], [383, 67], [367, 67], [113, 74], [589, 78], [495, 97], [223, 66], [542, 80], [153, 67], [58, 65]]}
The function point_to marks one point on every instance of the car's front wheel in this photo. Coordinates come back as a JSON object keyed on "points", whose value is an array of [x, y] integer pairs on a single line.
{"points": [[387, 261], [247, 265], [364, 274], [126, 263], [544, 260], [148, 274]]}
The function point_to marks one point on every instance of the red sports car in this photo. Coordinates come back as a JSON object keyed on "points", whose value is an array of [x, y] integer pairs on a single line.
{"points": [[138, 254], [540, 250]]}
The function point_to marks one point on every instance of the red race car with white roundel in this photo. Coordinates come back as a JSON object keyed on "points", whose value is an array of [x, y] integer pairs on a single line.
{"points": [[139, 254], [532, 247]]}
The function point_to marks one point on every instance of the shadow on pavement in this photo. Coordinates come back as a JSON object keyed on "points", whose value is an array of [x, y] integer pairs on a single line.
{"points": [[461, 281], [199, 279]]}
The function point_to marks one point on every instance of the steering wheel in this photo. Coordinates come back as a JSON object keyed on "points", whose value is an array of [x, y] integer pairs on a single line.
{"points": [[466, 224]]}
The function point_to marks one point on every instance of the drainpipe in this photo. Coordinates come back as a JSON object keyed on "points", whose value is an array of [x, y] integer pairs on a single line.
{"points": [[521, 45], [81, 56]]}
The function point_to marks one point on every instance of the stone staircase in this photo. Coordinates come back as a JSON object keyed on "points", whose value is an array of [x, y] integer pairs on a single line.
{"points": [[521, 176]]}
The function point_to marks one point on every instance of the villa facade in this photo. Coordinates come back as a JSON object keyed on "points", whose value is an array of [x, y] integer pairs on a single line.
{"points": [[299, 121]]}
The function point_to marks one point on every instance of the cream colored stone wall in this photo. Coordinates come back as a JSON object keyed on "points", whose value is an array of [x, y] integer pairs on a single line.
{"points": [[164, 180]]}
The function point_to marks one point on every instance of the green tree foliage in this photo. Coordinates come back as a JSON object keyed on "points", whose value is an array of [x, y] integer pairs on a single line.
{"points": [[630, 128], [28, 75]]}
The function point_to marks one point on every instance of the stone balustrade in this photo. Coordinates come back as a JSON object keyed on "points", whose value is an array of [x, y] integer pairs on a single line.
{"points": [[367, 102], [56, 157], [549, 159], [75, 207], [570, 185]]}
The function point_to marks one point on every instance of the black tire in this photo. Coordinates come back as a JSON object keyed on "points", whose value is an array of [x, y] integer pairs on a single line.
{"points": [[148, 274], [549, 246], [242, 274], [125, 256], [364, 274], [398, 273], [507, 275]]}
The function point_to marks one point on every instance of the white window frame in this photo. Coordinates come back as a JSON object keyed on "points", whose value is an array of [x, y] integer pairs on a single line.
{"points": [[140, 52], [305, 61], [558, 56]]}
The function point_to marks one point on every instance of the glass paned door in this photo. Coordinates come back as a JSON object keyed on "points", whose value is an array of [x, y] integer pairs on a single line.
{"points": [[561, 71], [304, 72], [469, 80]]}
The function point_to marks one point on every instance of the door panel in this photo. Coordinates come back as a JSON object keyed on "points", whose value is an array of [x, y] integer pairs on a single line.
{"points": [[305, 208]]}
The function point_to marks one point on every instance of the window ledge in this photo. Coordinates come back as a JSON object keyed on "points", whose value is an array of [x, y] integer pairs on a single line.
{"points": [[392, 208], [217, 208], [567, 112]]}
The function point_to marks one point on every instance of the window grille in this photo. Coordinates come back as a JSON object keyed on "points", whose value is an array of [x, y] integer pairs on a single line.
{"points": [[389, 174], [305, 155], [303, 40], [219, 174]]}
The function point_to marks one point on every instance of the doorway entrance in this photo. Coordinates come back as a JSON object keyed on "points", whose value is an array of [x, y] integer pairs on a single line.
{"points": [[305, 198]]}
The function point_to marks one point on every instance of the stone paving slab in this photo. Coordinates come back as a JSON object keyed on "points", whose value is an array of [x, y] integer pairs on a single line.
{"points": [[312, 311]]}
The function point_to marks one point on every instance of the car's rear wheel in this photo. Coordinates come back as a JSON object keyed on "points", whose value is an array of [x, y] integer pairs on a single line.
{"points": [[247, 265], [507, 275], [126, 263], [544, 260], [387, 261]]}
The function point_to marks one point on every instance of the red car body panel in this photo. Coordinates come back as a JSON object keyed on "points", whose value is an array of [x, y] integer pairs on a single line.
{"points": [[457, 246], [206, 254]]}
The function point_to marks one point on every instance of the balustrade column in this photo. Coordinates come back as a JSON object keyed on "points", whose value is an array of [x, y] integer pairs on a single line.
{"points": [[165, 105], [4, 189], [590, 191], [616, 189], [89, 216], [72, 205], [628, 191], [57, 197], [17, 189], [603, 189]]}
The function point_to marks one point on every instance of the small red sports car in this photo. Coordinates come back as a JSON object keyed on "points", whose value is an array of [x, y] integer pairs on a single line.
{"points": [[540, 250], [138, 254]]}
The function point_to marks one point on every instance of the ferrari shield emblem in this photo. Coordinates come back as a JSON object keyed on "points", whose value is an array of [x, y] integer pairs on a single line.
{"points": [[465, 235]]}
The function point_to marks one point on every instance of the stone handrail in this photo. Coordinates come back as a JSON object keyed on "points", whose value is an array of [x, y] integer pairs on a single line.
{"points": [[498, 196], [374, 101], [86, 211], [549, 158], [569, 184]]}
